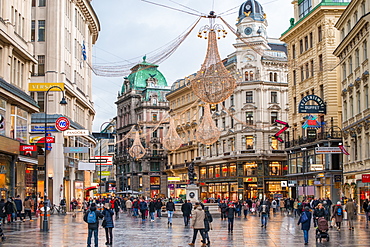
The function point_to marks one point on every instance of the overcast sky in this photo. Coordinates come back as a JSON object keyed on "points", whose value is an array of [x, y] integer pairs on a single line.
{"points": [[131, 29]]}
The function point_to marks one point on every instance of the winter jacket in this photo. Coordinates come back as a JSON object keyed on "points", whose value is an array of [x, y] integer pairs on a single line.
{"points": [[351, 209], [2, 210], [320, 212], [267, 208], [186, 209], [18, 204], [207, 219], [143, 205], [198, 218], [170, 206], [93, 226], [108, 213], [307, 224], [338, 218], [158, 204], [9, 208], [223, 207], [128, 204], [28, 204], [151, 207], [116, 205], [230, 213]]}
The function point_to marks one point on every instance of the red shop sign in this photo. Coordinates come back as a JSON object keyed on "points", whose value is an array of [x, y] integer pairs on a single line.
{"points": [[28, 148], [366, 178]]}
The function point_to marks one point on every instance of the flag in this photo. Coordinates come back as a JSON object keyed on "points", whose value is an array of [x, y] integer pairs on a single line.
{"points": [[84, 51], [341, 147]]}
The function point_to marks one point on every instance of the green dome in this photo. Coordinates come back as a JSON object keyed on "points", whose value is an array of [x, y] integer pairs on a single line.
{"points": [[145, 75]]}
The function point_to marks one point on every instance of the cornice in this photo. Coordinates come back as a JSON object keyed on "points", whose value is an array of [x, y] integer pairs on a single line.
{"points": [[90, 15]]}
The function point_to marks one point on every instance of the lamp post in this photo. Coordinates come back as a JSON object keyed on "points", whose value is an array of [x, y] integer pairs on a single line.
{"points": [[101, 126], [62, 102]]}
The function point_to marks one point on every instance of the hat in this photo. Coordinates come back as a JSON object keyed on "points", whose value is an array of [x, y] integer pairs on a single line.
{"points": [[339, 203]]}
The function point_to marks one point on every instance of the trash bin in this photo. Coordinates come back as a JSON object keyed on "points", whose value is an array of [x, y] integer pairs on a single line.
{"points": [[42, 215]]}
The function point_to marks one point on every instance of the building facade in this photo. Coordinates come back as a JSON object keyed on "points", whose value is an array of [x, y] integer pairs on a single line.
{"points": [[18, 169], [314, 99], [185, 108], [63, 33], [142, 104], [353, 54], [248, 161]]}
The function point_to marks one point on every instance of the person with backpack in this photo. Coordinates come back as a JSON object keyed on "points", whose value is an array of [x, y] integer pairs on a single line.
{"points": [[338, 214], [207, 224], [108, 224], [135, 206], [305, 220], [264, 213], [92, 217]]}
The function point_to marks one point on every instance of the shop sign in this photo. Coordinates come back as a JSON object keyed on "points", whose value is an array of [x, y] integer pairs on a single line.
{"points": [[41, 129], [28, 148], [79, 185], [250, 179], [173, 179], [41, 139], [155, 187], [366, 178], [109, 160], [278, 195], [328, 150], [338, 178], [104, 173], [43, 87], [317, 167], [284, 183], [76, 133], [76, 150], [319, 108], [320, 175]]}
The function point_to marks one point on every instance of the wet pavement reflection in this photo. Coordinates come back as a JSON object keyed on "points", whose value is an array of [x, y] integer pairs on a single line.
{"points": [[133, 232]]}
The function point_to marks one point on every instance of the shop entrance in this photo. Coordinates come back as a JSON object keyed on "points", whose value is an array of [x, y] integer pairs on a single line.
{"points": [[250, 190]]}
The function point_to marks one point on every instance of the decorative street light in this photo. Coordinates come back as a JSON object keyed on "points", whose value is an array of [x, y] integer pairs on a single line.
{"points": [[62, 102]]}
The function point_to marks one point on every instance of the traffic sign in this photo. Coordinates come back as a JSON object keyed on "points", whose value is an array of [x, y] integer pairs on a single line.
{"points": [[98, 160], [62, 124]]}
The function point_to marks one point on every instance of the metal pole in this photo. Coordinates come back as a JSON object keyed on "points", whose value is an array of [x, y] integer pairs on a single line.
{"points": [[100, 167]]}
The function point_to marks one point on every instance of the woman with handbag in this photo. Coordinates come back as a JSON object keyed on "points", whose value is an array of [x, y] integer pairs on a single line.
{"points": [[108, 224]]}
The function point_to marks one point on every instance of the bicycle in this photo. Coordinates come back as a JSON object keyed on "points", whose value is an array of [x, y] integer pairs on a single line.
{"points": [[59, 209]]}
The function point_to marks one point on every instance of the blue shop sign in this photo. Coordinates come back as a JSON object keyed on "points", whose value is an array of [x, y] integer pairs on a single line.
{"points": [[319, 108], [41, 128]]}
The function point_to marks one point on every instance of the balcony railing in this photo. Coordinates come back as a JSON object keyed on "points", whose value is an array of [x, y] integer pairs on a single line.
{"points": [[319, 136]]}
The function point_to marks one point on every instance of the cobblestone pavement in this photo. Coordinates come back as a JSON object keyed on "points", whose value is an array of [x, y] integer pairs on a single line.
{"points": [[129, 231]]}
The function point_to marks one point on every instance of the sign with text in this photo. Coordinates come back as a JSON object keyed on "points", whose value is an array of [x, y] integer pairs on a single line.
{"points": [[328, 150], [366, 178], [104, 173], [76, 150], [26, 148], [76, 133], [41, 128], [41, 139], [319, 108], [317, 167], [43, 87], [109, 159]]}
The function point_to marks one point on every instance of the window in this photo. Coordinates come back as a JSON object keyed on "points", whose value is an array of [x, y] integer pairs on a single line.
{"points": [[231, 100], [312, 68], [275, 77], [249, 97], [274, 116], [274, 97], [302, 74], [311, 40], [249, 117], [348, 26], [294, 77], [18, 124], [271, 76], [42, 3], [366, 95], [246, 75], [275, 168], [3, 113], [322, 91], [155, 166], [231, 122], [249, 142], [232, 170], [358, 95], [295, 105], [250, 169], [301, 46], [357, 58], [364, 46], [350, 65], [363, 8], [306, 43], [155, 134], [225, 171], [351, 112], [319, 33], [344, 110], [321, 65], [33, 4], [155, 117], [33, 31], [344, 70], [41, 31], [274, 143], [223, 123], [41, 65], [210, 172], [355, 17], [251, 75], [342, 33], [307, 71], [293, 51], [304, 8]]}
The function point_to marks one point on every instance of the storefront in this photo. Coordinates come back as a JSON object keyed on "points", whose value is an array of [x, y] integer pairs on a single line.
{"points": [[9, 149], [224, 190], [155, 186]]}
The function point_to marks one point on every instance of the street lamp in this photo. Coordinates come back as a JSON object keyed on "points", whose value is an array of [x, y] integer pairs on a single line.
{"points": [[62, 102], [101, 126]]}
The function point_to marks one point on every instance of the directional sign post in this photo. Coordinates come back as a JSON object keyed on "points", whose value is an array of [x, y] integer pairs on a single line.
{"points": [[98, 160]]}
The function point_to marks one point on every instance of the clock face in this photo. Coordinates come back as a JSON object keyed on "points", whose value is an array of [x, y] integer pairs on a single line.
{"points": [[248, 31], [249, 57], [248, 7]]}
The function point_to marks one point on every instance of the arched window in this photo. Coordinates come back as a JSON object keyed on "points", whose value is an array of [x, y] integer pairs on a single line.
{"points": [[155, 149], [251, 76], [246, 75], [270, 76], [275, 76]]}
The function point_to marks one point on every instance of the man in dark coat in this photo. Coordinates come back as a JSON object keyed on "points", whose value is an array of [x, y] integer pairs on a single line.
{"points": [[230, 214], [19, 205], [186, 211], [93, 227], [158, 207], [223, 209], [264, 212], [305, 220]]}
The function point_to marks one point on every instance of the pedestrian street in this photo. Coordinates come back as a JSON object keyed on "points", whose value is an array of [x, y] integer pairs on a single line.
{"points": [[66, 231]]}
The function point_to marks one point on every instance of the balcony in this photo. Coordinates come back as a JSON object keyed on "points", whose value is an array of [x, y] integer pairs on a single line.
{"points": [[320, 136]]}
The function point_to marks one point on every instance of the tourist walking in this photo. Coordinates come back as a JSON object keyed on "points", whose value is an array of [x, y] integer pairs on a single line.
{"points": [[245, 209], [223, 209], [117, 205], [365, 207], [143, 208], [74, 205], [9, 210], [230, 214], [170, 207], [129, 207], [305, 221], [351, 211], [264, 213], [338, 214], [198, 224], [319, 212], [207, 224], [92, 217], [108, 224], [28, 205], [151, 209], [186, 211], [158, 207], [19, 206]]}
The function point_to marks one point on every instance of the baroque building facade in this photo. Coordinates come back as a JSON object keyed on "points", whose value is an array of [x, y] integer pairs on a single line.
{"points": [[63, 33], [353, 54], [142, 104], [248, 161], [314, 99]]}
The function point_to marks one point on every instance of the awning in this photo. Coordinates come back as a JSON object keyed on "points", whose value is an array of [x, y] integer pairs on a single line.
{"points": [[91, 188], [28, 160]]}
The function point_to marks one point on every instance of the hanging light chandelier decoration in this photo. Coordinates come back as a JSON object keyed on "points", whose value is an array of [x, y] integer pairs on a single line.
{"points": [[213, 83], [172, 140], [137, 151], [207, 132]]}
